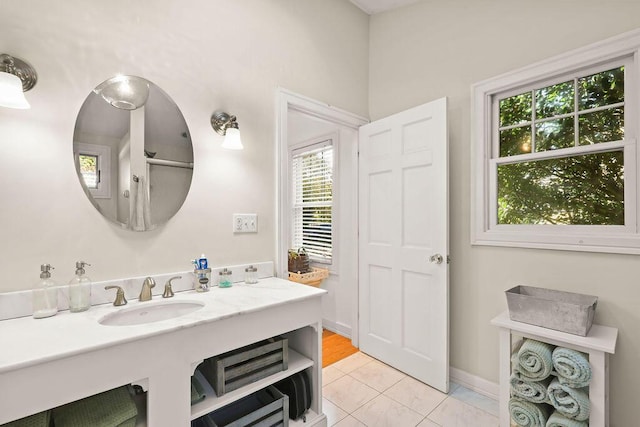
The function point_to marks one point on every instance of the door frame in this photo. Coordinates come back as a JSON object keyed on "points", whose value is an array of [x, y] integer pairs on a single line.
{"points": [[286, 101]]}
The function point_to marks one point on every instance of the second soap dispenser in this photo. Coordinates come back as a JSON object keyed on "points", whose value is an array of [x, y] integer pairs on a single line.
{"points": [[45, 294], [80, 290]]}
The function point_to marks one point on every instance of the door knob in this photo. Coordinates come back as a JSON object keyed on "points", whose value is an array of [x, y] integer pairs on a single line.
{"points": [[437, 258]]}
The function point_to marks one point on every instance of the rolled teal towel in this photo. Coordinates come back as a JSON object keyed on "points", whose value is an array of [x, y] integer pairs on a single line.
{"points": [[572, 367], [109, 409], [41, 419], [534, 362], [197, 391], [571, 402], [532, 391], [528, 414], [558, 420]]}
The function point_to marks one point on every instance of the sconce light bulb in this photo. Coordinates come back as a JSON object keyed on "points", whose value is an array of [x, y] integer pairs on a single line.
{"points": [[11, 93], [232, 139]]}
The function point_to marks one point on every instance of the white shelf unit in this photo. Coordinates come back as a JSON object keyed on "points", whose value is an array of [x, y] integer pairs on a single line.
{"points": [[599, 344]]}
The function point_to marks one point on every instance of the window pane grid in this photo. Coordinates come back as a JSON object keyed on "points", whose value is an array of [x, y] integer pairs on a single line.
{"points": [[562, 116], [571, 99]]}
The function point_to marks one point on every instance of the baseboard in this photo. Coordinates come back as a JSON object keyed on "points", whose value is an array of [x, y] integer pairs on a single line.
{"points": [[474, 383], [337, 327]]}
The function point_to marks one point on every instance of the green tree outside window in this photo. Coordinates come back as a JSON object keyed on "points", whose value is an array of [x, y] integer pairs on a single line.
{"points": [[571, 189]]}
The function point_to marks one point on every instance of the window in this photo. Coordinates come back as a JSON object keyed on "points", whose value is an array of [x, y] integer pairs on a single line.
{"points": [[560, 152], [556, 156], [95, 168], [312, 197], [89, 170]]}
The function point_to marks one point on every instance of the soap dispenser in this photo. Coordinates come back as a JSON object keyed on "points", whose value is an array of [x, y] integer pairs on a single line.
{"points": [[45, 294], [80, 290]]}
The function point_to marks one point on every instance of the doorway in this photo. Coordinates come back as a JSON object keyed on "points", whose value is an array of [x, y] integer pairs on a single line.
{"points": [[300, 121], [400, 201]]}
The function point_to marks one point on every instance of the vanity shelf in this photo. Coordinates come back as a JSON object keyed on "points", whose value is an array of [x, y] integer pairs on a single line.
{"points": [[297, 363], [162, 355]]}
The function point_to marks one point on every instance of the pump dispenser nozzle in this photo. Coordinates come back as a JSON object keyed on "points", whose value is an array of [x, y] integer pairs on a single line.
{"points": [[80, 267], [45, 271]]}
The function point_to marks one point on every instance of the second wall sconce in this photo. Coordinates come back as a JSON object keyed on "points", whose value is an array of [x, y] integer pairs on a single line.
{"points": [[227, 125], [16, 77]]}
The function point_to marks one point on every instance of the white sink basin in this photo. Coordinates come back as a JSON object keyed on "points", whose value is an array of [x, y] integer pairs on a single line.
{"points": [[149, 312]]}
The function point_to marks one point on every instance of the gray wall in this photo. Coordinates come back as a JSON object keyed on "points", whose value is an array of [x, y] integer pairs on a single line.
{"points": [[439, 48], [206, 55]]}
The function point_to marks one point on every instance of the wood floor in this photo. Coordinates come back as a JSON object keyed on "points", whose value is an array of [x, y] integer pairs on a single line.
{"points": [[335, 347]]}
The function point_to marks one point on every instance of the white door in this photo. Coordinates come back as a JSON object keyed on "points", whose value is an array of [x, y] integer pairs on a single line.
{"points": [[403, 242]]}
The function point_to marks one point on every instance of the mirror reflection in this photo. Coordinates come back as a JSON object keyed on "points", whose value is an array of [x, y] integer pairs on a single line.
{"points": [[133, 153]]}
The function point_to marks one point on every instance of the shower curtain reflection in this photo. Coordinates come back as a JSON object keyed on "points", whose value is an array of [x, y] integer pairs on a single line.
{"points": [[140, 209]]}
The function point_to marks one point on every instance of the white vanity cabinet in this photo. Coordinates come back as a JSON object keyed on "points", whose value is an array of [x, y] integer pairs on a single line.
{"points": [[164, 358]]}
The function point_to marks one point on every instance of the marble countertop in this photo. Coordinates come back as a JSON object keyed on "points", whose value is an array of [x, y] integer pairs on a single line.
{"points": [[27, 341]]}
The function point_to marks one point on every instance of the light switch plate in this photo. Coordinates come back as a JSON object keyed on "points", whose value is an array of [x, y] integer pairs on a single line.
{"points": [[245, 223]]}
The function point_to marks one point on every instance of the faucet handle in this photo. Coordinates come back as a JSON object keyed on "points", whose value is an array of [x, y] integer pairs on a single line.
{"points": [[145, 292], [149, 282], [120, 299], [168, 291]]}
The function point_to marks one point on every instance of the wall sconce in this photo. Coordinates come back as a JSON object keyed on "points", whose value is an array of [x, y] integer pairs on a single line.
{"points": [[16, 77], [226, 125]]}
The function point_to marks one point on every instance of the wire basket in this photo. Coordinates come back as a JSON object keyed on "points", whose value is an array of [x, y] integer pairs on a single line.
{"points": [[312, 278]]}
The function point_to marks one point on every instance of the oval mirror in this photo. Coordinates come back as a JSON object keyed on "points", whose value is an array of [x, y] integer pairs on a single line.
{"points": [[133, 154]]}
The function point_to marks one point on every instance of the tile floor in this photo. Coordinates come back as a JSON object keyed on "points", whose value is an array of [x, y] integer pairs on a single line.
{"points": [[360, 391]]}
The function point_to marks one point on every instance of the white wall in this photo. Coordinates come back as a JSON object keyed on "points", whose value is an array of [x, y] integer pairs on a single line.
{"points": [[436, 48], [207, 55]]}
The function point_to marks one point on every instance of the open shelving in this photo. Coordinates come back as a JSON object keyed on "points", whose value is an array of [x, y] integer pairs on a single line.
{"points": [[297, 363], [598, 345]]}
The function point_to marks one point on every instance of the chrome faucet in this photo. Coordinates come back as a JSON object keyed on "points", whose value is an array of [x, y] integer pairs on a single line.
{"points": [[145, 293]]}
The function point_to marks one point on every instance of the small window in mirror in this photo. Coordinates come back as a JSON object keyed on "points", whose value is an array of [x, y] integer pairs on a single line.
{"points": [[90, 170], [94, 163]]}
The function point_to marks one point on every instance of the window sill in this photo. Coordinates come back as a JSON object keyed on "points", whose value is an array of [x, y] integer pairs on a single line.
{"points": [[578, 243]]}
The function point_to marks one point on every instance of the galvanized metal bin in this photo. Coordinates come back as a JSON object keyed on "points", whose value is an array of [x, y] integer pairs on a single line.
{"points": [[562, 311]]}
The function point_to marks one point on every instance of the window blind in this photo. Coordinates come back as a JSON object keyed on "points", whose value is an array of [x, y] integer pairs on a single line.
{"points": [[312, 169]]}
